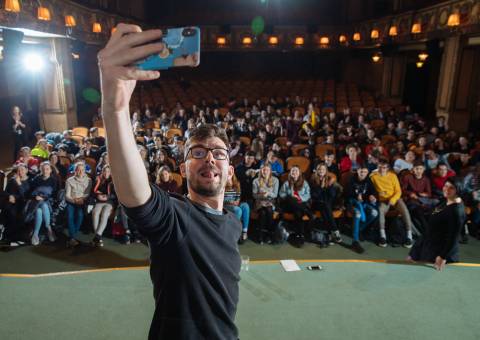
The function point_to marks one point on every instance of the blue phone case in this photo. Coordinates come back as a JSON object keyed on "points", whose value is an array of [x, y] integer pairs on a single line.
{"points": [[182, 49]]}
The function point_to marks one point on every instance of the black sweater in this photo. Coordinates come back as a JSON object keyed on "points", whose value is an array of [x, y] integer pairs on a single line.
{"points": [[356, 187], [194, 268], [442, 236], [39, 181], [20, 192]]}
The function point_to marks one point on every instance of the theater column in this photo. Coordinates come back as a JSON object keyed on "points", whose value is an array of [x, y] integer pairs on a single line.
{"points": [[58, 108], [448, 75], [393, 78]]}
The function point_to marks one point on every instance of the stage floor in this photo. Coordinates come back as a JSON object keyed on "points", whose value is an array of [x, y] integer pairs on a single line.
{"points": [[360, 300]]}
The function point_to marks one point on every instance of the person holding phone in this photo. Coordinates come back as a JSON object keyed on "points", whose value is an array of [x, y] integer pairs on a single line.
{"points": [[195, 262]]}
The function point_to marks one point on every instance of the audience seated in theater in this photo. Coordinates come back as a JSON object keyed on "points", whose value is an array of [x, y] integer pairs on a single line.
{"points": [[417, 194], [96, 138], [165, 180], [351, 160], [272, 161], [104, 198], [31, 162], [295, 199], [323, 194], [17, 190], [405, 163], [389, 192], [233, 203], [361, 199], [265, 192], [439, 177], [59, 170], [246, 172], [44, 188], [77, 191]]}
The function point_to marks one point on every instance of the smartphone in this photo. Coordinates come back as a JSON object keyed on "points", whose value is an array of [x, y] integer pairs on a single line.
{"points": [[315, 267], [182, 48]]}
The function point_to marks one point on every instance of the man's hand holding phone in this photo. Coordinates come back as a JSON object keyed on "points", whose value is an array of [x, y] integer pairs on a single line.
{"points": [[118, 77]]}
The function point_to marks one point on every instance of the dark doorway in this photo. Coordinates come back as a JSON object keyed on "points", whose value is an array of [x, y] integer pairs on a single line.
{"points": [[421, 85]]}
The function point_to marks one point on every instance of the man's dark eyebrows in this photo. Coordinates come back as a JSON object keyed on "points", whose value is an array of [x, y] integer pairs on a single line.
{"points": [[206, 147]]}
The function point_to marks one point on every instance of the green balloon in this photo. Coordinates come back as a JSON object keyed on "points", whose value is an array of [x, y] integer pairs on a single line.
{"points": [[258, 25], [91, 95]]}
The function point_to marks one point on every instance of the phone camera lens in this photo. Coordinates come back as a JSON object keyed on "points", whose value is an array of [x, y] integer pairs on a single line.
{"points": [[188, 32]]}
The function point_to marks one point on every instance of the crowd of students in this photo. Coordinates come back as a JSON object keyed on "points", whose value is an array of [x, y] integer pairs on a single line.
{"points": [[363, 169]]}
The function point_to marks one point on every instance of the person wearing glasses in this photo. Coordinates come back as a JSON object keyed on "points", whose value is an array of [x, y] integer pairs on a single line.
{"points": [[389, 193], [195, 262]]}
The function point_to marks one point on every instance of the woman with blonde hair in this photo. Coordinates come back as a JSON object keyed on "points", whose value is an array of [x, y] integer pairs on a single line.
{"points": [[231, 201], [265, 192]]}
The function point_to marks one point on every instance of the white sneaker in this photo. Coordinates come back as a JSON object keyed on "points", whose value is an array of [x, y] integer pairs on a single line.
{"points": [[35, 240], [51, 235]]}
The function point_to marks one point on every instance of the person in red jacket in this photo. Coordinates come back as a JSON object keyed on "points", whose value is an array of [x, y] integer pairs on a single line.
{"points": [[351, 161], [439, 178], [417, 194]]}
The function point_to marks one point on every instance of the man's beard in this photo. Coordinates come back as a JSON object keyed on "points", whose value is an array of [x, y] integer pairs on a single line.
{"points": [[204, 191], [211, 190]]}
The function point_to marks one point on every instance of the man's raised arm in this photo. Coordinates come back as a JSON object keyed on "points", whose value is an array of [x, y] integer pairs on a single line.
{"points": [[127, 45]]}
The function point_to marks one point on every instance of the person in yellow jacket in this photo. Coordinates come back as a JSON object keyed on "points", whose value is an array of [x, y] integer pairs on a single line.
{"points": [[41, 149], [389, 192]]}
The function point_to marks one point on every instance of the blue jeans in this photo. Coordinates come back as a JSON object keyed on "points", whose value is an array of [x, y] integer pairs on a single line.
{"points": [[363, 215], [41, 214], [242, 212], [75, 218]]}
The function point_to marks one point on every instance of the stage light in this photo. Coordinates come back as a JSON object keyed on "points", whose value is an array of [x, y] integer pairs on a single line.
{"points": [[423, 56], [221, 41], [273, 40], [113, 30], [43, 13], [75, 55], [419, 64], [324, 40], [416, 28], [70, 21], [453, 20], [374, 34], [33, 62], [299, 41], [247, 40], [393, 31], [357, 36], [97, 28], [12, 6], [376, 58], [342, 39]]}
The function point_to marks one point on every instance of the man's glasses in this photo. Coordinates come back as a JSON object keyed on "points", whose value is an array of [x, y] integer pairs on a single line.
{"points": [[200, 152]]}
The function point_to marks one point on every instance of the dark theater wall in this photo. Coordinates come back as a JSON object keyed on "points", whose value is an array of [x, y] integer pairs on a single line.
{"points": [[265, 65]]}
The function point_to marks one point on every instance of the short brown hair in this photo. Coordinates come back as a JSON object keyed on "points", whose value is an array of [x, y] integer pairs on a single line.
{"points": [[206, 131]]}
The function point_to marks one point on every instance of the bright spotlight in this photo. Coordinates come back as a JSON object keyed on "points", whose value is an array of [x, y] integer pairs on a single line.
{"points": [[33, 62]]}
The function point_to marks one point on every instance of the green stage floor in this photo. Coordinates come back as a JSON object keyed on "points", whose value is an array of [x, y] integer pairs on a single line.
{"points": [[56, 257], [346, 300]]}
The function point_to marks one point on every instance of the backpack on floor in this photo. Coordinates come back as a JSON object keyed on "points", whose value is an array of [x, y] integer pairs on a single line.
{"points": [[396, 232], [320, 237]]}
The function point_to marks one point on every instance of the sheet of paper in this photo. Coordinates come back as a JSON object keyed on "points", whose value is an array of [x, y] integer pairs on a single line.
{"points": [[290, 265]]}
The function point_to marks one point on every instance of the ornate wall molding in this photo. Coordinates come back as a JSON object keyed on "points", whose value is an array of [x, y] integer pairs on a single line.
{"points": [[433, 21]]}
